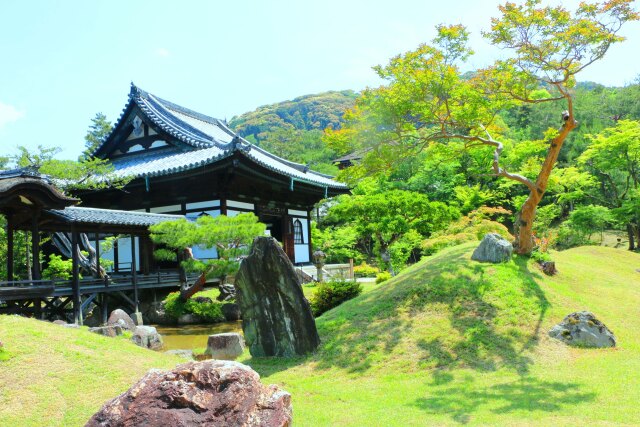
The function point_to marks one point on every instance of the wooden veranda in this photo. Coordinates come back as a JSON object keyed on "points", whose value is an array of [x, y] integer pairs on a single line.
{"points": [[31, 203]]}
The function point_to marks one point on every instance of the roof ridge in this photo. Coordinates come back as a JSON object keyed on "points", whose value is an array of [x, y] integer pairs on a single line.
{"points": [[86, 208]]}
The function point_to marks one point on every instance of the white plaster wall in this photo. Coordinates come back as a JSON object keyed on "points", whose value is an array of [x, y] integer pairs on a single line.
{"points": [[302, 251]]}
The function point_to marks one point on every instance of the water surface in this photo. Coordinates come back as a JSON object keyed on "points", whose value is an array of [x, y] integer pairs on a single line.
{"points": [[190, 337]]}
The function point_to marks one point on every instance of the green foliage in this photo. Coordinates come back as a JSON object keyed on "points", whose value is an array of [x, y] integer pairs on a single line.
{"points": [[365, 270], [230, 236], [388, 217], [469, 228], [402, 249], [427, 98], [338, 243], [383, 277], [99, 129], [175, 307], [57, 268], [309, 112], [331, 294], [293, 129], [590, 219], [540, 256], [69, 174]]}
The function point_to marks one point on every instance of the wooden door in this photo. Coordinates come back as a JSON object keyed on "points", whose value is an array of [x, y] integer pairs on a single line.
{"points": [[287, 238]]}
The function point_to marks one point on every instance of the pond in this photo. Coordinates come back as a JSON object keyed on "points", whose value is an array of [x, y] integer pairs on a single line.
{"points": [[190, 337]]}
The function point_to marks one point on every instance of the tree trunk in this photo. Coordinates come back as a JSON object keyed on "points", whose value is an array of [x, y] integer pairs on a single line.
{"points": [[524, 243], [631, 236]]}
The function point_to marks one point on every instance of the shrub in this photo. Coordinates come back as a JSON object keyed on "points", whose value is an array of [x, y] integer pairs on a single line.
{"points": [[471, 227], [383, 277], [208, 311], [365, 270], [58, 268], [331, 294]]}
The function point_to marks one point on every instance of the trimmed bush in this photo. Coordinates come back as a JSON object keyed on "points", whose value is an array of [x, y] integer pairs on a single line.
{"points": [[383, 277], [365, 270], [331, 294], [471, 227], [208, 311]]}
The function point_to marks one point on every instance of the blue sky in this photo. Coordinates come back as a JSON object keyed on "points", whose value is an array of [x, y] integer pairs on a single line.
{"points": [[62, 62]]}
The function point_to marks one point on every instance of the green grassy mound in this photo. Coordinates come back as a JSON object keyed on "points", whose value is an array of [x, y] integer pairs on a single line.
{"points": [[54, 376], [451, 341], [447, 342]]}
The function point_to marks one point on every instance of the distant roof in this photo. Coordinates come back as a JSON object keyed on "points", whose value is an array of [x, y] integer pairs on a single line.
{"points": [[355, 155], [32, 187], [207, 140], [77, 214]]}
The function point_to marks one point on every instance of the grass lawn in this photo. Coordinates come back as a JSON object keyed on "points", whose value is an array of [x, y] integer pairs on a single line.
{"points": [[55, 376], [451, 342], [446, 342]]}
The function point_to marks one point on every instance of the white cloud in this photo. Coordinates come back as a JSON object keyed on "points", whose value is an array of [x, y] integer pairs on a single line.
{"points": [[162, 52], [9, 114]]}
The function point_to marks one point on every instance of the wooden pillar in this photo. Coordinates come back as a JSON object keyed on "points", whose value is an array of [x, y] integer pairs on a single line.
{"points": [[223, 206], [9, 248], [104, 307], [35, 249], [116, 260], [35, 263], [309, 240], [134, 273], [77, 303], [97, 240]]}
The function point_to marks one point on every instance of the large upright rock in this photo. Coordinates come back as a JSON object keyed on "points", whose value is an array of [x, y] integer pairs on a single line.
{"points": [[208, 393], [493, 248], [276, 317]]}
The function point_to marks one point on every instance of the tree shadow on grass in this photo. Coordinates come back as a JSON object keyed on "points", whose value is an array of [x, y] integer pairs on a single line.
{"points": [[362, 332], [461, 401]]}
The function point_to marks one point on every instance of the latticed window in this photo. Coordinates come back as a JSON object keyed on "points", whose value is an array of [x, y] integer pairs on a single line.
{"points": [[298, 238]]}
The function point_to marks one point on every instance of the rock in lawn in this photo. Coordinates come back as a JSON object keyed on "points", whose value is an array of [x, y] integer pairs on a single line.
{"points": [[228, 346], [582, 329], [107, 331], [147, 337], [208, 393], [493, 248], [121, 318], [276, 317]]}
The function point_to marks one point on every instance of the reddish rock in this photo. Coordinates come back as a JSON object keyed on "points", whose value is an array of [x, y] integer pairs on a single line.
{"points": [[207, 393]]}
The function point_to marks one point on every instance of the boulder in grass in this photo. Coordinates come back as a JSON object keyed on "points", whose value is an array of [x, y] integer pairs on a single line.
{"points": [[107, 331], [494, 248], [582, 329], [207, 393], [147, 337], [227, 346], [121, 318]]}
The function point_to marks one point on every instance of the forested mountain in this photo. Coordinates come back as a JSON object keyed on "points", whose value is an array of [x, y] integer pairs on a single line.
{"points": [[308, 112], [293, 129]]}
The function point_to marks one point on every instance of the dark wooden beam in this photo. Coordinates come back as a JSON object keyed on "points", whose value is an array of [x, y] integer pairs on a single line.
{"points": [[77, 303], [9, 248], [134, 273]]}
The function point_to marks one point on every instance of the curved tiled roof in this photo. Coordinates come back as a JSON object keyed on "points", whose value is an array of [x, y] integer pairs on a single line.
{"points": [[207, 140], [77, 214]]}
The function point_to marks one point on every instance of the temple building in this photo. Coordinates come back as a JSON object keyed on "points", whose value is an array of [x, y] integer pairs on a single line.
{"points": [[186, 163]]}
